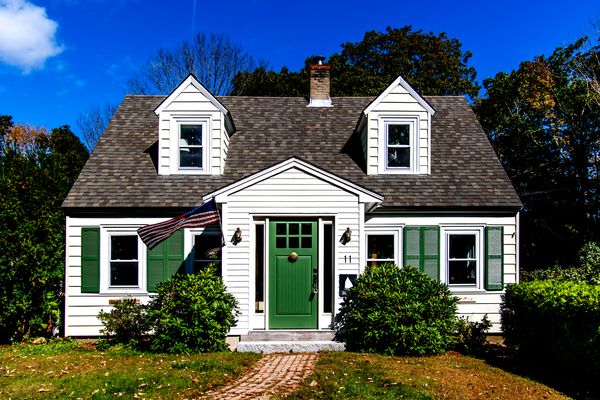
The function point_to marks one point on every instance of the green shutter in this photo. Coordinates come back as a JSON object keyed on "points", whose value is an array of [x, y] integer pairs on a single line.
{"points": [[165, 260], [430, 245], [90, 260], [422, 249], [494, 259], [412, 246]]}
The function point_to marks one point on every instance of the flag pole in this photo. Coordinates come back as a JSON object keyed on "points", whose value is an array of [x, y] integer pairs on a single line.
{"points": [[223, 244]]}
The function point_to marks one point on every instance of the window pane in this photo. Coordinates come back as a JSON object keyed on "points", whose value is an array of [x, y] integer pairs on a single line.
{"points": [[190, 157], [398, 134], [380, 246], [280, 229], [328, 244], [306, 242], [462, 272], [123, 273], [462, 246], [259, 305], [399, 157], [280, 242], [207, 247], [306, 229], [123, 247], [294, 229], [294, 242], [191, 135]]}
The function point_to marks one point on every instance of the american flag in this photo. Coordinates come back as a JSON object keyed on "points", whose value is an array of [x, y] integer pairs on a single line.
{"points": [[206, 214]]}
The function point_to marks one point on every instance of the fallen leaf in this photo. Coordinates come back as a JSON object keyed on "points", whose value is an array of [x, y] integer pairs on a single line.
{"points": [[313, 384], [195, 380], [43, 390]]}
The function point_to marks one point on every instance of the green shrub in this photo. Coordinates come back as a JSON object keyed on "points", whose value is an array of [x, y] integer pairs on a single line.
{"points": [[398, 311], [126, 323], [587, 269], [471, 336], [192, 313], [555, 322]]}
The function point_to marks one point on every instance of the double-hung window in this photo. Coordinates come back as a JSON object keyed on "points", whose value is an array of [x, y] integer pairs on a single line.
{"points": [[207, 250], [398, 148], [124, 262], [464, 258], [382, 247], [191, 146]]}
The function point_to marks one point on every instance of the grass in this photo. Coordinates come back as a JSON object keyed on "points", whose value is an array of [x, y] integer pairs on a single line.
{"points": [[66, 369], [450, 376], [69, 370]]}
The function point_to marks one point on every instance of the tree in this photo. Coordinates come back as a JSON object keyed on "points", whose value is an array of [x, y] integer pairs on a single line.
{"points": [[37, 168], [213, 59], [93, 122], [545, 127], [431, 64]]}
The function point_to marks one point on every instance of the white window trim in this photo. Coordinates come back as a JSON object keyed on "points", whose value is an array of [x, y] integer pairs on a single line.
{"points": [[478, 231], [397, 232], [414, 125], [105, 235], [176, 122]]}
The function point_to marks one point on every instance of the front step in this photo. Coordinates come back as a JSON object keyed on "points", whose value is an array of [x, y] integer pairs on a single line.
{"points": [[285, 335], [289, 346]]}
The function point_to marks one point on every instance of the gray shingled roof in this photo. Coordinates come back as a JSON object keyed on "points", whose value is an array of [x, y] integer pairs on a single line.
{"points": [[465, 172]]}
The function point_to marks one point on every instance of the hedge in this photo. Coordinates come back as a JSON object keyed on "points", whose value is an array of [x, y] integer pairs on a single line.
{"points": [[557, 322]]}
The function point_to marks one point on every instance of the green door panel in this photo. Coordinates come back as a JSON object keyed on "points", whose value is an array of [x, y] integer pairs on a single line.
{"points": [[292, 301]]}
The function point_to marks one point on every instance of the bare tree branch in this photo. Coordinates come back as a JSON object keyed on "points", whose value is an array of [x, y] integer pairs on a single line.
{"points": [[93, 122], [214, 59]]}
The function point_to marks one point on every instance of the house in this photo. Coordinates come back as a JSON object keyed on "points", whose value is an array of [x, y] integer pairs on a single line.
{"points": [[313, 191]]}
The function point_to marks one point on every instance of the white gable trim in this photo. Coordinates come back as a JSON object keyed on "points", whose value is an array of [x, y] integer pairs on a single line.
{"points": [[190, 80], [401, 82], [364, 195]]}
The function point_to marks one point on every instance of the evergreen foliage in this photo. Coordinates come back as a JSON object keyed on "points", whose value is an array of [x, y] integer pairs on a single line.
{"points": [[397, 311], [37, 169]]}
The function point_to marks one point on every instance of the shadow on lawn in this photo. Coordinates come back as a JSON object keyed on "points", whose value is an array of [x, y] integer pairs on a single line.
{"points": [[552, 375]]}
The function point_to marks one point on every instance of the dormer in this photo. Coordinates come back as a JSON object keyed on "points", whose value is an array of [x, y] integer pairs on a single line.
{"points": [[395, 132], [193, 131]]}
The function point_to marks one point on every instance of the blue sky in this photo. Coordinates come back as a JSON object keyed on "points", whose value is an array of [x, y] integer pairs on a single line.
{"points": [[58, 58]]}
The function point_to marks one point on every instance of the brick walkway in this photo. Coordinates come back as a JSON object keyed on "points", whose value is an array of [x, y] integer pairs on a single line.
{"points": [[274, 373]]}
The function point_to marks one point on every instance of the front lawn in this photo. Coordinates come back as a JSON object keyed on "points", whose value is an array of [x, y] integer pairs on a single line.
{"points": [[69, 370], [450, 376]]}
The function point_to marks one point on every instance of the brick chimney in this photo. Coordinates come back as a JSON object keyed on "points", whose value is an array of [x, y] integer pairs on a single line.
{"points": [[319, 85]]}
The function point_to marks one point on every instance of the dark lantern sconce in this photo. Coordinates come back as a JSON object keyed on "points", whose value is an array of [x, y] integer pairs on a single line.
{"points": [[346, 236], [237, 236]]}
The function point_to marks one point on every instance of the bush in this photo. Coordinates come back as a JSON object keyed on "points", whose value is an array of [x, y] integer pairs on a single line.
{"points": [[126, 323], [471, 335], [587, 269], [555, 322], [192, 313], [397, 311]]}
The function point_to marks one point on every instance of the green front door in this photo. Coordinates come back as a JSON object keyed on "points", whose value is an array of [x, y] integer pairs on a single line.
{"points": [[293, 274]]}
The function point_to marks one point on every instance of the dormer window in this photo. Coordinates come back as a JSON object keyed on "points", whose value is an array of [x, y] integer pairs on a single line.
{"points": [[398, 146], [399, 149], [190, 146]]}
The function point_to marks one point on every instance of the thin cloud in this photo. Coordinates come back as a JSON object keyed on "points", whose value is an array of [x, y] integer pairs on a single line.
{"points": [[27, 35]]}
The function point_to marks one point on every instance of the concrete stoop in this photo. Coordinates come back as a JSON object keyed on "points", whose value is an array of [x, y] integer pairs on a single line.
{"points": [[286, 341], [289, 346]]}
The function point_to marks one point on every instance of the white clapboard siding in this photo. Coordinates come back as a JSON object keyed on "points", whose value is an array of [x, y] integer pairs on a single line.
{"points": [[476, 303], [398, 103]]}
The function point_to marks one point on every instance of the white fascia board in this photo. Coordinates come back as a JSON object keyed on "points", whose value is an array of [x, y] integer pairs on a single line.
{"points": [[364, 195], [191, 80], [399, 81]]}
